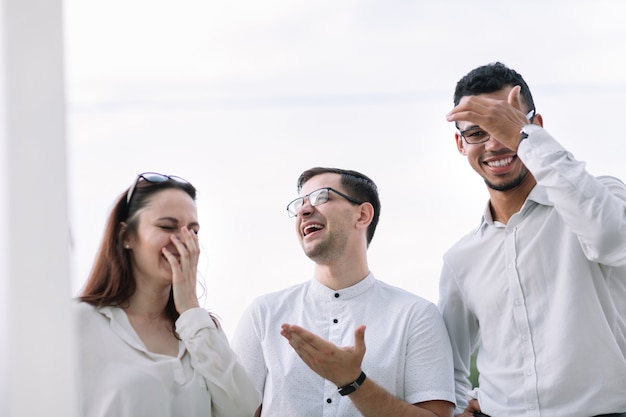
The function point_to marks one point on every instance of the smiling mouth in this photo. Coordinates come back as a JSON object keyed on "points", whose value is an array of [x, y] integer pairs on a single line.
{"points": [[312, 228], [499, 163]]}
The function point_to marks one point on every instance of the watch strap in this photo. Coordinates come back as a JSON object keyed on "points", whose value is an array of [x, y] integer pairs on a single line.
{"points": [[522, 135], [353, 386], [527, 130]]}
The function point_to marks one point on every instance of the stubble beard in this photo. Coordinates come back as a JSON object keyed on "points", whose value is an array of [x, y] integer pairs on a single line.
{"points": [[507, 186], [327, 251]]}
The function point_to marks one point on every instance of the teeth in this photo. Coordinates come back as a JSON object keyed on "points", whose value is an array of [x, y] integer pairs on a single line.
{"points": [[308, 230], [500, 162]]}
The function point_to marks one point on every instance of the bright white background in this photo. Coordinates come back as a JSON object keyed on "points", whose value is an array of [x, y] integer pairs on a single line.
{"points": [[239, 97]]}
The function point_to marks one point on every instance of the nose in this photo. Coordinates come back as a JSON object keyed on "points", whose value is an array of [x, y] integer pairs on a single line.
{"points": [[306, 209], [493, 144], [179, 234]]}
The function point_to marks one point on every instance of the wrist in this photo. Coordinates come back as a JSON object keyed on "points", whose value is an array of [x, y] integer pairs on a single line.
{"points": [[526, 131], [353, 386]]}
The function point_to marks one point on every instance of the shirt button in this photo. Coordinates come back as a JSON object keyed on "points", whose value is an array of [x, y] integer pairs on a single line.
{"points": [[328, 400], [335, 321], [336, 295]]}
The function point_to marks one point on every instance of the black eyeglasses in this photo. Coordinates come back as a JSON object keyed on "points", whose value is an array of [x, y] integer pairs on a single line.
{"points": [[475, 135], [153, 178], [316, 198]]}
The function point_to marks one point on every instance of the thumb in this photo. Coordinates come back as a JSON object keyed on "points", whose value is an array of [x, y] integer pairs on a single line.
{"points": [[513, 97], [359, 339]]}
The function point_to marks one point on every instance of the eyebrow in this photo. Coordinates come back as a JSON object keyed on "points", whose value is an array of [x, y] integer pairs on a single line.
{"points": [[175, 220], [470, 128]]}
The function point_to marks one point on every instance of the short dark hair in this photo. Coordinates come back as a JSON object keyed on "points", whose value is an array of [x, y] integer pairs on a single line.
{"points": [[491, 78], [358, 186]]}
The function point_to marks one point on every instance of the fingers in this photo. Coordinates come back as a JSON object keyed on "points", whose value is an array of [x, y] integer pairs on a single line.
{"points": [[472, 406], [187, 247], [184, 268], [302, 339], [359, 340], [301, 344], [514, 97]]}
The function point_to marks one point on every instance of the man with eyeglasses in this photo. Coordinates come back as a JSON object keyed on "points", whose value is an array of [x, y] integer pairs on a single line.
{"points": [[539, 288], [305, 347]]}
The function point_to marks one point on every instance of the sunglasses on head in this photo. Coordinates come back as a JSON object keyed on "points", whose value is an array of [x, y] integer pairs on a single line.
{"points": [[153, 178]]}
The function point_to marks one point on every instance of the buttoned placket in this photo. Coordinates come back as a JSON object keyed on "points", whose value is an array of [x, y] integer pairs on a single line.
{"points": [[520, 315], [335, 331]]}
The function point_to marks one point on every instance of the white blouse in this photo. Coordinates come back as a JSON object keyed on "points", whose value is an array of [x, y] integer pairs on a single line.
{"points": [[120, 378]]}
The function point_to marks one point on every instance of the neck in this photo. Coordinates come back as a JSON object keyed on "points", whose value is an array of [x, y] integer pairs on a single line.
{"points": [[504, 204], [149, 302], [342, 274]]}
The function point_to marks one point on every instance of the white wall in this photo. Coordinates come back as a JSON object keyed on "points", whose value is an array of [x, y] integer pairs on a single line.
{"points": [[37, 373]]}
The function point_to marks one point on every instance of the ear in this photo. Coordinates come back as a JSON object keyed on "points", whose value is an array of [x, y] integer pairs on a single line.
{"points": [[123, 236], [460, 144], [366, 215], [538, 120]]}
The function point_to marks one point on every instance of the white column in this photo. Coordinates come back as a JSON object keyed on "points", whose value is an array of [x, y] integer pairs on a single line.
{"points": [[37, 370]]}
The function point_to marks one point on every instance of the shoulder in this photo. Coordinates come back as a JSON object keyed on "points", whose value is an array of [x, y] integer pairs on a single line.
{"points": [[266, 309], [465, 242], [399, 297], [612, 183], [88, 317], [275, 298], [83, 311], [413, 317]]}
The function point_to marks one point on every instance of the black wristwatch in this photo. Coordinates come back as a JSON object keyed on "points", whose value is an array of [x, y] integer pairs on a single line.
{"points": [[527, 130], [350, 388]]}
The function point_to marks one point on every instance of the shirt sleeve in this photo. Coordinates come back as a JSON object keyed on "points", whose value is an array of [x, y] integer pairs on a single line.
{"points": [[248, 346], [462, 328], [429, 365], [232, 392], [593, 207]]}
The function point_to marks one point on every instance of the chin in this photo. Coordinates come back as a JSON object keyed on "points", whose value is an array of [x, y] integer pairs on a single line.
{"points": [[507, 185]]}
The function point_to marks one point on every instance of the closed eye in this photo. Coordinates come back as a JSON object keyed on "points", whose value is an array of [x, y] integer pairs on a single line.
{"points": [[476, 134]]}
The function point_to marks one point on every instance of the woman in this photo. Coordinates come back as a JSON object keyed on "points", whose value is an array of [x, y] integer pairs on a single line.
{"points": [[147, 348]]}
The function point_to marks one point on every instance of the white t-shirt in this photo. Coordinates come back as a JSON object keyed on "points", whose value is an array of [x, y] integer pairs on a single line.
{"points": [[121, 378], [408, 350]]}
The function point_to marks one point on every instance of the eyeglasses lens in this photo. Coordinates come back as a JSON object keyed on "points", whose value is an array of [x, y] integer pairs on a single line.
{"points": [[318, 197], [153, 178], [315, 198]]}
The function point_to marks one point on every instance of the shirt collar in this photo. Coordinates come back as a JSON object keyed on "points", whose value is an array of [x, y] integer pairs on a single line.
{"points": [[321, 291], [122, 327], [538, 195]]}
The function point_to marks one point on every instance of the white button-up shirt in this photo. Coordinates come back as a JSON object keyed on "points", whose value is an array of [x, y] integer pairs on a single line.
{"points": [[408, 351], [544, 296]]}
